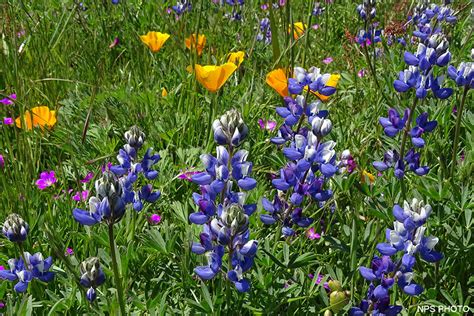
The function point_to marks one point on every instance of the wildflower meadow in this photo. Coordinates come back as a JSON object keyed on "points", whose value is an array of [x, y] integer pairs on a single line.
{"points": [[236, 157]]}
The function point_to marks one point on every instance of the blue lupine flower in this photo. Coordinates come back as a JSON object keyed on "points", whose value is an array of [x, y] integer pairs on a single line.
{"points": [[222, 212], [181, 7], [35, 267], [463, 75], [408, 238], [92, 276], [116, 187], [366, 9], [422, 126], [265, 31], [393, 123], [318, 9], [15, 228], [230, 129], [311, 160], [313, 79]]}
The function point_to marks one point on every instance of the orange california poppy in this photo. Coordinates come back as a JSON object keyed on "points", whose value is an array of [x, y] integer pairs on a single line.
{"points": [[213, 77], [190, 42], [39, 116], [236, 58], [332, 82], [369, 176], [278, 81], [298, 29], [154, 40]]}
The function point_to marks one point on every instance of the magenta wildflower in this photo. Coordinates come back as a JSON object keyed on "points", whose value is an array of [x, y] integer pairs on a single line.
{"points": [[88, 177], [154, 219], [8, 121], [315, 26], [267, 124], [81, 195], [264, 6], [327, 60], [311, 234], [187, 174], [361, 73], [9, 100], [114, 43], [2, 304], [69, 252], [2, 268], [2, 161], [47, 179], [455, 110], [106, 167]]}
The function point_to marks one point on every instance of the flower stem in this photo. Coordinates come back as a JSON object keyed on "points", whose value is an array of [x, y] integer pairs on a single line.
{"points": [[404, 140], [457, 129], [118, 282]]}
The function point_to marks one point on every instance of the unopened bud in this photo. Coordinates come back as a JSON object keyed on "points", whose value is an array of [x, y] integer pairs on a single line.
{"points": [[15, 228]]}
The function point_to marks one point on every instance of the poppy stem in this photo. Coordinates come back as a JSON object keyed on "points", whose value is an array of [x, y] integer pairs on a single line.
{"points": [[118, 281], [457, 129]]}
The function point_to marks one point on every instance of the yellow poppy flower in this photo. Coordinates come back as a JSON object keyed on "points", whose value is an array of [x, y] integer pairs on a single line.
{"points": [[39, 116], [154, 40], [367, 174], [236, 58], [190, 42], [332, 82], [213, 77], [164, 93], [278, 81], [298, 29]]}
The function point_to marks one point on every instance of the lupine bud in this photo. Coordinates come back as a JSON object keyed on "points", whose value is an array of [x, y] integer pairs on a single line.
{"points": [[234, 217], [321, 127], [15, 228], [230, 129], [91, 276], [135, 137]]}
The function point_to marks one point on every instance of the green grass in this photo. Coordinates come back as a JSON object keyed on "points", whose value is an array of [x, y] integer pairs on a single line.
{"points": [[66, 64]]}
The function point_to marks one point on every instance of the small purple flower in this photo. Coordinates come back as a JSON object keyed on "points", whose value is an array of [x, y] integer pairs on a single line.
{"points": [[327, 60], [88, 177], [267, 124], [154, 219], [187, 174], [2, 161], [47, 179], [8, 121], [9, 100], [81, 195], [114, 43], [361, 73], [311, 234], [69, 252]]}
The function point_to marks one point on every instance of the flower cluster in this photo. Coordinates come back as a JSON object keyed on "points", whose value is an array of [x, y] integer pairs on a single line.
{"points": [[15, 228], [265, 31], [312, 161], [369, 34], [115, 189], [222, 212], [313, 80], [408, 238], [463, 75], [181, 7], [91, 276], [366, 9], [27, 268]]}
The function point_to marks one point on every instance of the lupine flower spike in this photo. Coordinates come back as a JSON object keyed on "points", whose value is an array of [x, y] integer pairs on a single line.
{"points": [[222, 211]]}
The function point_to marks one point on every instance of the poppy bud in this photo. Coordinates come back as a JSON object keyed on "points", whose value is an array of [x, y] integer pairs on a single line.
{"points": [[15, 228]]}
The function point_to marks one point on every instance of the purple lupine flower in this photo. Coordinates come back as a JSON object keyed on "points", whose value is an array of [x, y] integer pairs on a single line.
{"points": [[422, 126], [47, 179], [92, 276], [222, 213], [394, 123], [15, 228], [34, 267], [463, 75]]}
